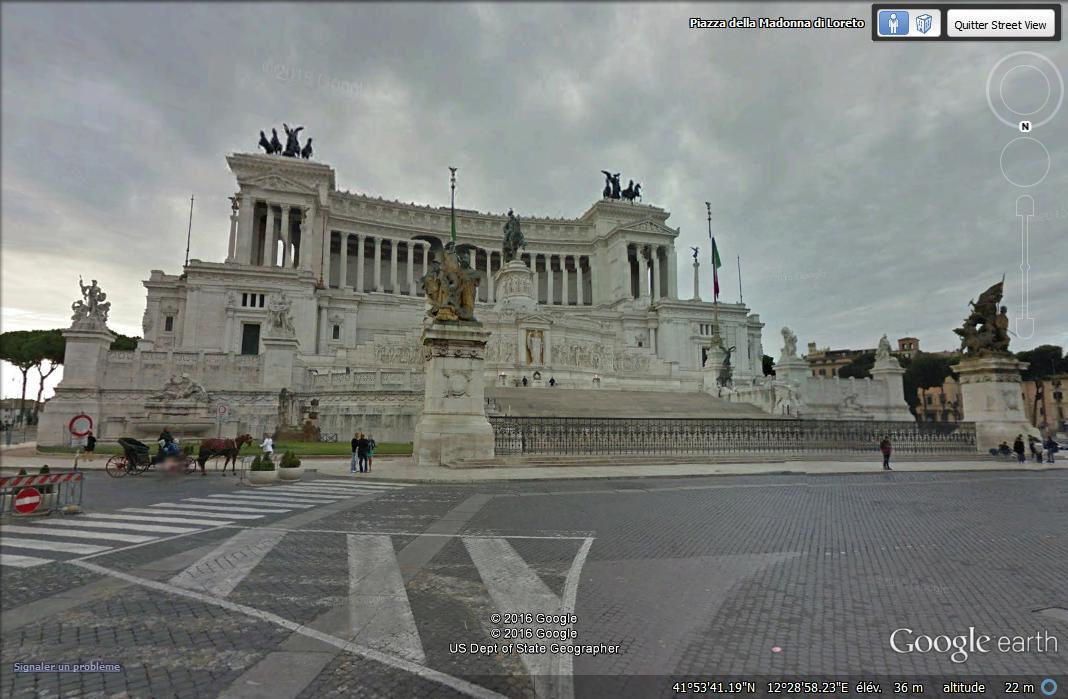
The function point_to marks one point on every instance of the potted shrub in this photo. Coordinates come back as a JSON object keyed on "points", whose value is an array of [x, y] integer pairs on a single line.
{"points": [[289, 468], [262, 472]]}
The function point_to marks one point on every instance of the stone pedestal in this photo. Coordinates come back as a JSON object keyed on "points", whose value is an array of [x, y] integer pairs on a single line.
{"points": [[992, 398], [792, 369], [514, 286], [453, 425], [78, 393], [278, 356], [889, 373], [713, 363]]}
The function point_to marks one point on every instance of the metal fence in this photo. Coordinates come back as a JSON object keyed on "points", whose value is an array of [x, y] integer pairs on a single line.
{"points": [[40, 494], [622, 436]]}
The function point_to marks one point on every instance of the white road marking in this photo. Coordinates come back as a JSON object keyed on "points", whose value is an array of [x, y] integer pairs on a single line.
{"points": [[11, 559], [22, 542], [344, 492], [107, 536], [221, 515], [219, 572], [316, 497], [281, 498], [422, 671], [515, 587], [380, 615], [135, 526], [164, 520], [351, 484], [235, 501], [223, 511]]}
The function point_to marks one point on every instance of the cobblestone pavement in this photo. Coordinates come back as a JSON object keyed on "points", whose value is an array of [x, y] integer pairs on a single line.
{"points": [[394, 593]]}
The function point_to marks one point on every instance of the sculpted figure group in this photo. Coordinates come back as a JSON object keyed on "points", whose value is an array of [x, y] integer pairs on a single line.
{"points": [[292, 149], [450, 284], [986, 329], [93, 307], [612, 189]]}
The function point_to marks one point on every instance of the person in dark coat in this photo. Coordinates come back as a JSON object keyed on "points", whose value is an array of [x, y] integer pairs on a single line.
{"points": [[1018, 447], [886, 449], [1051, 448], [362, 449], [355, 458], [90, 446]]}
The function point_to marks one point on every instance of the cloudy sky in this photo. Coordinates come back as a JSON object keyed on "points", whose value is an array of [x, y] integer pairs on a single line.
{"points": [[861, 183]]}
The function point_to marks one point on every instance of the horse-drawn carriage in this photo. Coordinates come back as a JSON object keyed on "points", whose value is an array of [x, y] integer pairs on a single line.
{"points": [[136, 458]]}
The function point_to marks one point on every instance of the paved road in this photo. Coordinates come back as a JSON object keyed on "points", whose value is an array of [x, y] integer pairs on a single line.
{"points": [[334, 587]]}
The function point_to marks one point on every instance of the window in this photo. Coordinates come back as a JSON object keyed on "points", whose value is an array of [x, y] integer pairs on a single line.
{"points": [[168, 324], [250, 338], [336, 334], [251, 300]]}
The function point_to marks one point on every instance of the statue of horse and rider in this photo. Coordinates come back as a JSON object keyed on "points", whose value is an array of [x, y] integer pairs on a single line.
{"points": [[986, 329], [612, 188]]}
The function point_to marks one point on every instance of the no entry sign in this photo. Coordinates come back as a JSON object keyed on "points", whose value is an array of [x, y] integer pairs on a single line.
{"points": [[27, 500], [80, 425]]}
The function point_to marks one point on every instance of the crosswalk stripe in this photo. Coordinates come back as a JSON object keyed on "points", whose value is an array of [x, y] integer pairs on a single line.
{"points": [[352, 484], [219, 572], [303, 495], [380, 615], [331, 490], [22, 542], [42, 529], [118, 525], [11, 559], [147, 518], [223, 511], [258, 501], [221, 515], [281, 498], [514, 586]]}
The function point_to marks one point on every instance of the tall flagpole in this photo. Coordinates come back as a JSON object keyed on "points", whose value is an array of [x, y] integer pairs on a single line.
{"points": [[452, 204], [740, 279], [712, 247], [189, 233]]}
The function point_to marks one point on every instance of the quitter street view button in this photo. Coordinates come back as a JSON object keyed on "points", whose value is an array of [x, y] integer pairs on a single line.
{"points": [[1001, 23]]}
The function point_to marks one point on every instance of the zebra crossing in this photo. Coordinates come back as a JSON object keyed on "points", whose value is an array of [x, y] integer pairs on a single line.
{"points": [[28, 543]]}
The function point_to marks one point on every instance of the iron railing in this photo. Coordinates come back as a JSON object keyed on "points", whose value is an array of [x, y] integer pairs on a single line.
{"points": [[621, 436]]}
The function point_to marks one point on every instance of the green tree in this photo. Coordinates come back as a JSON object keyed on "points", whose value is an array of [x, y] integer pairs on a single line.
{"points": [[924, 371], [1045, 361], [49, 346], [769, 365], [125, 343], [859, 368], [16, 347]]}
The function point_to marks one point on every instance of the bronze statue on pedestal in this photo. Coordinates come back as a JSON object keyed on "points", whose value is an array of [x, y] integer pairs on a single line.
{"points": [[986, 329]]}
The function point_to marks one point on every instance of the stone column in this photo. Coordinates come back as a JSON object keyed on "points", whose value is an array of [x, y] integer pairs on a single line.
{"points": [[246, 220], [696, 280], [378, 264], [565, 289], [411, 267], [228, 334], [626, 269], [489, 276], [231, 247], [426, 257], [654, 253], [394, 249], [324, 330], [673, 274], [359, 263], [550, 295], [325, 258], [453, 425], [285, 235], [343, 274], [268, 238], [643, 274], [580, 282]]}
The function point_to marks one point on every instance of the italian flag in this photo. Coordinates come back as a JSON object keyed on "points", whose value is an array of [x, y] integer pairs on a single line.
{"points": [[716, 264]]}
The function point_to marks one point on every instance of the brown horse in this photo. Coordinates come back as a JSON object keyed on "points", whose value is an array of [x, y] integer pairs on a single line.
{"points": [[210, 448]]}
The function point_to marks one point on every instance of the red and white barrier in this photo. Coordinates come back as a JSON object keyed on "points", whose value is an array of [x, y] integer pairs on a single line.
{"points": [[46, 479]]}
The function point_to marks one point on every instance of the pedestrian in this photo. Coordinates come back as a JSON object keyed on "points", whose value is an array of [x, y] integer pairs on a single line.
{"points": [[552, 382], [1036, 449], [1018, 447], [1051, 448], [371, 444], [355, 457], [90, 446], [886, 449], [268, 447], [524, 381], [361, 451]]}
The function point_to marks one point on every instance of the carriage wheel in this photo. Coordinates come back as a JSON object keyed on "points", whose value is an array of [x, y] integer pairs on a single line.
{"points": [[117, 467]]}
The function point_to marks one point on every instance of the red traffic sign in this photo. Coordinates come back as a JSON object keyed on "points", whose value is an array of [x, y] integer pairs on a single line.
{"points": [[27, 500], [80, 425], [223, 410]]}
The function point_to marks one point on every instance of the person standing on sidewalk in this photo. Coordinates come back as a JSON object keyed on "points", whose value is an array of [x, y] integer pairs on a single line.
{"points": [[1018, 447], [1051, 448], [90, 446], [361, 452], [371, 444], [355, 457], [886, 449], [268, 447]]}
